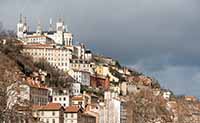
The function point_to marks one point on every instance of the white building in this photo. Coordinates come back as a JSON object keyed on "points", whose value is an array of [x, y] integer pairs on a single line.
{"points": [[61, 36], [82, 77], [110, 109], [75, 114], [61, 96], [58, 57], [71, 114], [38, 39], [75, 89], [88, 55], [50, 113], [54, 46], [83, 65], [166, 95]]}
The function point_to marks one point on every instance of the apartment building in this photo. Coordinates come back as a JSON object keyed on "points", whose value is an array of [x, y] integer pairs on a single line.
{"points": [[82, 77], [50, 113], [58, 57]]}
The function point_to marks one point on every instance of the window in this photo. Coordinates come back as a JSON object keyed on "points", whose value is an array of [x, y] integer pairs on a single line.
{"points": [[60, 99], [64, 98], [53, 113], [53, 121], [42, 113], [55, 99], [72, 115]]}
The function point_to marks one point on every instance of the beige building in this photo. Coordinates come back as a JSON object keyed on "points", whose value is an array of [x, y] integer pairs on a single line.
{"points": [[83, 65], [78, 100], [71, 114], [75, 114], [56, 56], [103, 70], [50, 113], [28, 91]]}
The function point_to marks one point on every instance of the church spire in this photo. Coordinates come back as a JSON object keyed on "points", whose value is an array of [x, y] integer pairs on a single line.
{"points": [[39, 28], [25, 23], [50, 25], [20, 18]]}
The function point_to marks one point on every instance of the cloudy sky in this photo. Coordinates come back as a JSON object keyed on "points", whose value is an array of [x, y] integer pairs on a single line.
{"points": [[158, 37]]}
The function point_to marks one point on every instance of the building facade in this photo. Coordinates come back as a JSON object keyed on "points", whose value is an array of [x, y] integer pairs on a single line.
{"points": [[82, 77], [61, 35], [58, 57], [75, 114], [60, 96], [50, 113]]}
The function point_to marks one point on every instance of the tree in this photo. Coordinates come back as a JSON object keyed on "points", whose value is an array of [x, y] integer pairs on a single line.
{"points": [[146, 108], [55, 77]]}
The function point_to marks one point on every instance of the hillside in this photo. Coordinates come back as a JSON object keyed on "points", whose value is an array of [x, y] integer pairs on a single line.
{"points": [[145, 104]]}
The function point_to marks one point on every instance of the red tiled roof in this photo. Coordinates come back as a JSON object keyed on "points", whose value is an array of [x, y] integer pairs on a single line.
{"points": [[50, 106], [77, 98], [72, 109]]}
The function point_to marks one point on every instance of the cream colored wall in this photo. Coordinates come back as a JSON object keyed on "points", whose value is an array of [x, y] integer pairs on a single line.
{"points": [[48, 115], [55, 57], [69, 119]]}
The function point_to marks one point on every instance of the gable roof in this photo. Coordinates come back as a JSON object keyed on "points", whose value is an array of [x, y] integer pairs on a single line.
{"points": [[73, 109], [48, 107]]}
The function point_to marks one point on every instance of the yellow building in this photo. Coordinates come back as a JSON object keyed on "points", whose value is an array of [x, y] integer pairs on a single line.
{"points": [[103, 70]]}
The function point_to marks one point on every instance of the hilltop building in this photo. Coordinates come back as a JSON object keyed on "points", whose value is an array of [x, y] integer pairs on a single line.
{"points": [[60, 36], [54, 46]]}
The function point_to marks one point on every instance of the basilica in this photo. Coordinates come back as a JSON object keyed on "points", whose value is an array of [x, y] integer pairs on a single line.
{"points": [[60, 36], [54, 46]]}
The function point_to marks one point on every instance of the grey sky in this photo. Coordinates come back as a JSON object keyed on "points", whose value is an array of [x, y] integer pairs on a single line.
{"points": [[158, 37]]}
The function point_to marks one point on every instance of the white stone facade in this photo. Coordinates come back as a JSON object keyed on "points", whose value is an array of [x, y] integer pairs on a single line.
{"points": [[61, 36], [81, 76], [75, 89], [70, 117], [58, 57], [61, 96]]}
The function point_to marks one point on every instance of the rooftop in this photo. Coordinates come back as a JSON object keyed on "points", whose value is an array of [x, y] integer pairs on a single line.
{"points": [[48, 107], [72, 109], [77, 98]]}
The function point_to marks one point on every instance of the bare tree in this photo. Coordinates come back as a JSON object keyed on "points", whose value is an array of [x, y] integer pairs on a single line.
{"points": [[146, 108]]}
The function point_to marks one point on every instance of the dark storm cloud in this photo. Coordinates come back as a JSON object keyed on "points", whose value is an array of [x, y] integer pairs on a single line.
{"points": [[159, 37]]}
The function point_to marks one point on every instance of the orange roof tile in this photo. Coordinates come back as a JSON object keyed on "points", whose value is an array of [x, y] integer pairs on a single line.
{"points": [[73, 109], [50, 106], [77, 98]]}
